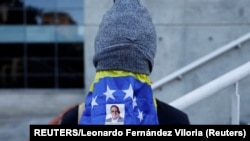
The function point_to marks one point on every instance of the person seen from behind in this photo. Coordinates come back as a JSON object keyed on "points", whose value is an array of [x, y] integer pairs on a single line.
{"points": [[125, 47]]}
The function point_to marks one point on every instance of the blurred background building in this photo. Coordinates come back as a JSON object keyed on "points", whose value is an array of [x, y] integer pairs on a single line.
{"points": [[41, 59], [41, 44], [46, 49]]}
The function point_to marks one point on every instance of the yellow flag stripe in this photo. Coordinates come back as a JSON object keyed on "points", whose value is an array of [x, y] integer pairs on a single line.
{"points": [[119, 73]]}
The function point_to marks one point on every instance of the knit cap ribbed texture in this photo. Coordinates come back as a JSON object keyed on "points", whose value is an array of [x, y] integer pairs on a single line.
{"points": [[126, 39]]}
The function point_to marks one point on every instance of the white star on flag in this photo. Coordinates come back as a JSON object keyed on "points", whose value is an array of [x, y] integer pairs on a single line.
{"points": [[134, 102], [129, 92], [140, 116], [93, 102], [109, 93]]}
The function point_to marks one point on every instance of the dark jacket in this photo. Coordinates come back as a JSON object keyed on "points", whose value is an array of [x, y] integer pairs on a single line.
{"points": [[167, 115]]}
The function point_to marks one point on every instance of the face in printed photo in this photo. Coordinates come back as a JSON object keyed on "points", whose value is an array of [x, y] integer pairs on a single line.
{"points": [[115, 113]]}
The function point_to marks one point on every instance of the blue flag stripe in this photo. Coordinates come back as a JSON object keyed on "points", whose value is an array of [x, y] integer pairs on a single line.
{"points": [[133, 98]]}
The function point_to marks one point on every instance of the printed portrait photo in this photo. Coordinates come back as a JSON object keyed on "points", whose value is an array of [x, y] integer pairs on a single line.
{"points": [[115, 114]]}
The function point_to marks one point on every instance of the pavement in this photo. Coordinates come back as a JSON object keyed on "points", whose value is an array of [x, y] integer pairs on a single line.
{"points": [[17, 128], [20, 108]]}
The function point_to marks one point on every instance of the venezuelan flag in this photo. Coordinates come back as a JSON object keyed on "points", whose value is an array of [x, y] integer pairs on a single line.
{"points": [[130, 93]]}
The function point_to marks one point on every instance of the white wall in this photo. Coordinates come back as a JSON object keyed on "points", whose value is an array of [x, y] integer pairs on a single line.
{"points": [[188, 30]]}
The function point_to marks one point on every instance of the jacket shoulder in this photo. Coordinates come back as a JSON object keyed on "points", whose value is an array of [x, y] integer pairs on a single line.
{"points": [[70, 117], [169, 115]]}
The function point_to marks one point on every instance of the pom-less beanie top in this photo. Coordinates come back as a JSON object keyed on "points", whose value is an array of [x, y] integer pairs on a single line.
{"points": [[126, 39]]}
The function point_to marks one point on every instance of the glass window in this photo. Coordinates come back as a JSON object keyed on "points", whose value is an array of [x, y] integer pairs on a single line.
{"points": [[69, 34], [12, 12], [40, 81], [70, 81], [11, 50], [15, 16], [69, 3], [36, 9], [11, 33], [40, 66], [11, 65], [41, 50], [75, 16], [41, 45], [40, 34], [41, 3]]}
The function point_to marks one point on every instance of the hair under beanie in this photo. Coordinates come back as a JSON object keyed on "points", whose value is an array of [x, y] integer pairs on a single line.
{"points": [[126, 39]]}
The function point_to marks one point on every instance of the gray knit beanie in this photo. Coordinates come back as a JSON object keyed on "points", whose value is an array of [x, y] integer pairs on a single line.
{"points": [[126, 39]]}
